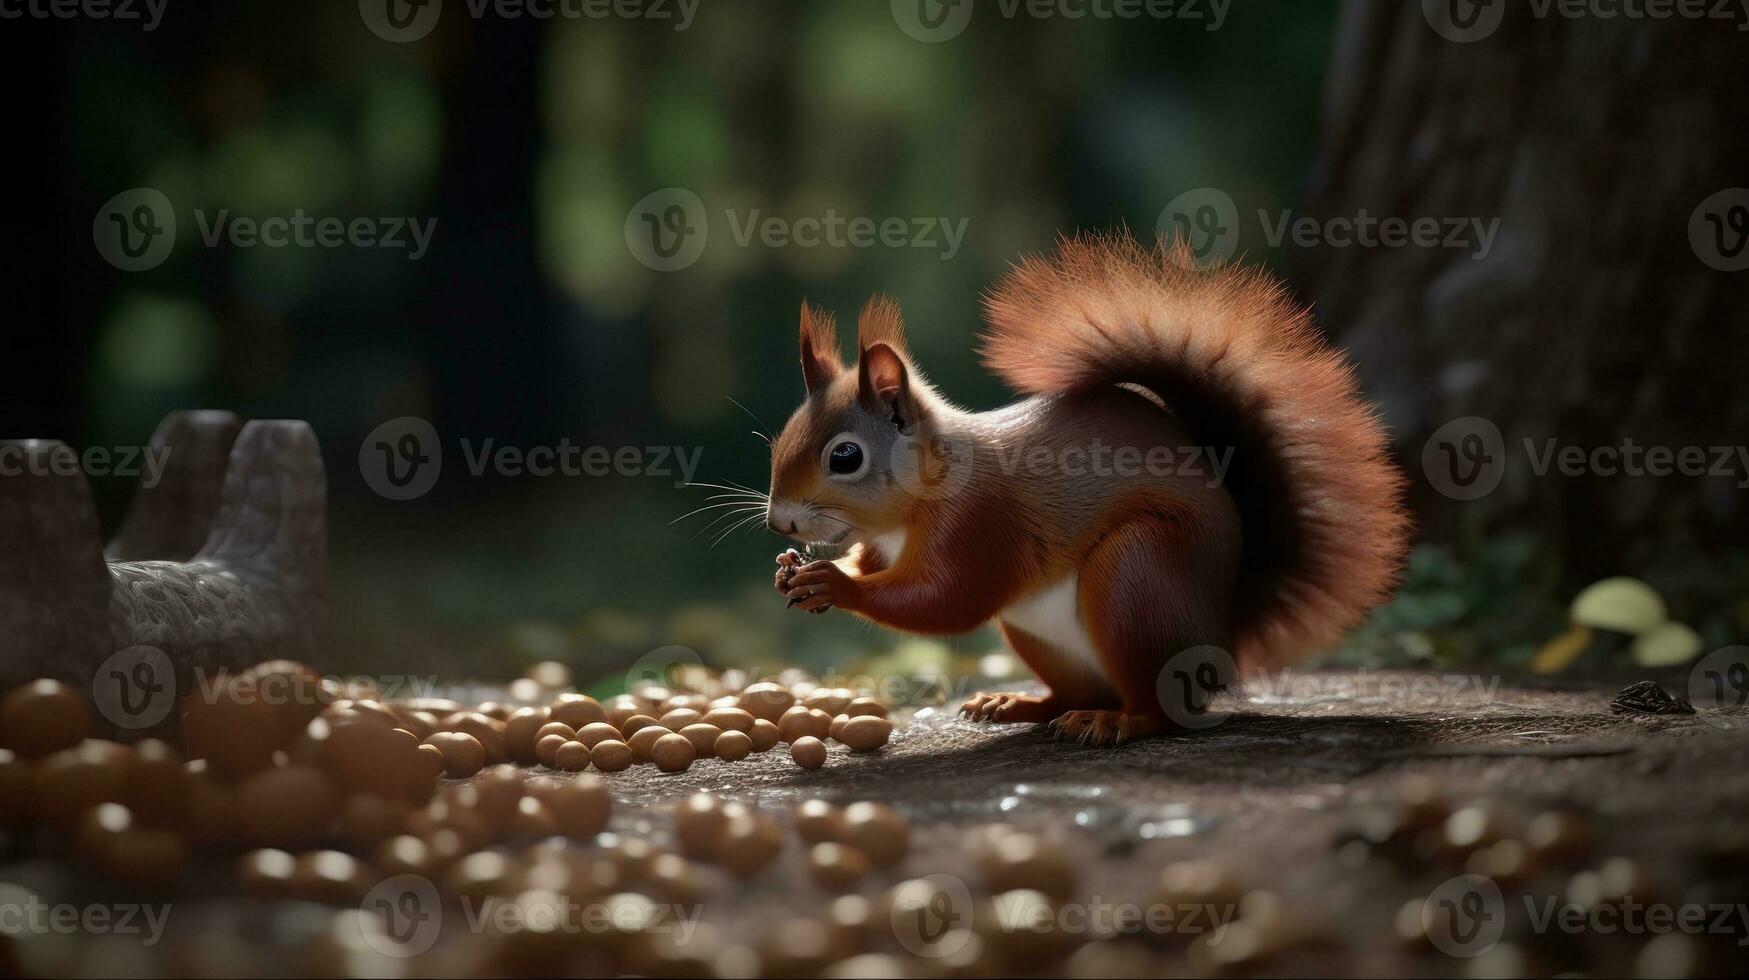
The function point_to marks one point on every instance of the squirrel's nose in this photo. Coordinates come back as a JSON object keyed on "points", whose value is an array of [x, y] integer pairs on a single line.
{"points": [[771, 522]]}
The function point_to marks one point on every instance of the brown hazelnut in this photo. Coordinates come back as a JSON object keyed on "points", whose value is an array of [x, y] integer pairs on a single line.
{"points": [[878, 831], [15, 779], [679, 718], [403, 854], [41, 717], [581, 806], [817, 821], [431, 763], [597, 732], [637, 723], [572, 756], [764, 735], [748, 843], [71, 781], [462, 754], [672, 753], [577, 710], [488, 731], [643, 740], [287, 806], [860, 707], [156, 784], [766, 700], [732, 746], [611, 755], [547, 749], [367, 819], [703, 738], [837, 866], [729, 719], [865, 733], [698, 825], [808, 752], [520, 733]]}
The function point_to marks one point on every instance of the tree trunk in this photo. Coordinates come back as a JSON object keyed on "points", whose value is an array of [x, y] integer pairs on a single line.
{"points": [[1592, 320]]}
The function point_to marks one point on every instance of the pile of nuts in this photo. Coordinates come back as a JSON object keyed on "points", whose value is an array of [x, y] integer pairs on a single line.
{"points": [[277, 757]]}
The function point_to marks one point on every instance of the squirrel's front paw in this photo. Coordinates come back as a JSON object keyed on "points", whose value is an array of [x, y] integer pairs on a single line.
{"points": [[820, 585]]}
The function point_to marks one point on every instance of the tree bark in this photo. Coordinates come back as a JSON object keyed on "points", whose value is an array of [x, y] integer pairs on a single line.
{"points": [[1592, 320]]}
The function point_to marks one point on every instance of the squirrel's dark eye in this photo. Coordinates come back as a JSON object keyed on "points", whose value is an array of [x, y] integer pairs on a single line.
{"points": [[846, 457]]}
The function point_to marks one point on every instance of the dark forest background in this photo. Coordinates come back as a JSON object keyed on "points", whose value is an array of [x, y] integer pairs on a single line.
{"points": [[1593, 317]]}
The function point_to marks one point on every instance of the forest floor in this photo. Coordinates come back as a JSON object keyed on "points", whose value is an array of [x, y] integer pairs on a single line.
{"points": [[1297, 793]]}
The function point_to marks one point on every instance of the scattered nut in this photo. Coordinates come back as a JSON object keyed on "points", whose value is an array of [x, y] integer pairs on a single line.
{"points": [[808, 752]]}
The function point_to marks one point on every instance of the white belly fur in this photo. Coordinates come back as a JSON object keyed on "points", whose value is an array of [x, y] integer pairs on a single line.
{"points": [[1053, 615]]}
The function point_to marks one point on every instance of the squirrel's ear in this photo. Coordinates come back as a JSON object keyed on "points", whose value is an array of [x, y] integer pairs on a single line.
{"points": [[880, 323], [884, 385], [820, 360]]}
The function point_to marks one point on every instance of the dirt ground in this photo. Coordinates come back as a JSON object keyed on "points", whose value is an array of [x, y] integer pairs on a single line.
{"points": [[1297, 792]]}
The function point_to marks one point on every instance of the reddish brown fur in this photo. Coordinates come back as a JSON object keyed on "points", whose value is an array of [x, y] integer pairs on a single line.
{"points": [[1130, 348], [1106, 310]]}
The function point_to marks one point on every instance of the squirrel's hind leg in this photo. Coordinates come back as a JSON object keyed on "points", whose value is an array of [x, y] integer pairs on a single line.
{"points": [[1148, 590], [1069, 687]]}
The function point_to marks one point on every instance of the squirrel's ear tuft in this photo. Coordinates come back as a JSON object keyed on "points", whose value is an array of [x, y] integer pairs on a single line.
{"points": [[883, 384], [880, 323], [820, 360]]}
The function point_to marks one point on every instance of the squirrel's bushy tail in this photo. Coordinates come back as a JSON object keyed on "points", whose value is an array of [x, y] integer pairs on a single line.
{"points": [[1243, 367]]}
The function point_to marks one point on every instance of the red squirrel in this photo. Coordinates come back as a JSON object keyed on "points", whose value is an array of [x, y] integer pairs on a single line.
{"points": [[1097, 576]]}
